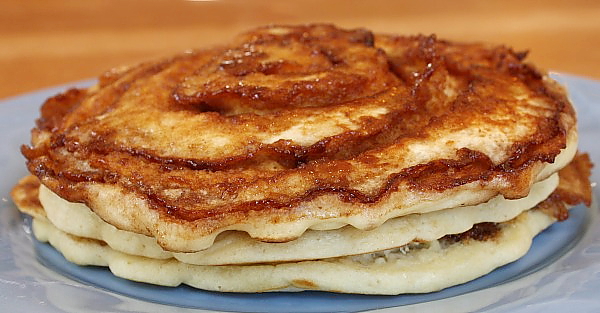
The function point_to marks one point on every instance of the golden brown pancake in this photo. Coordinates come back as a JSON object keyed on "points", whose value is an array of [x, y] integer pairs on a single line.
{"points": [[289, 128]]}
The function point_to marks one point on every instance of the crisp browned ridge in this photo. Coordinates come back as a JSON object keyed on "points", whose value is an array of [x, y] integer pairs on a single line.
{"points": [[146, 129]]}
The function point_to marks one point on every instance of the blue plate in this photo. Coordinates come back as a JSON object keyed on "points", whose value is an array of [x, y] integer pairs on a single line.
{"points": [[561, 271]]}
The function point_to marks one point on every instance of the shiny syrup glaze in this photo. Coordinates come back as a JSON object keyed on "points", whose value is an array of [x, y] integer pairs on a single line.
{"points": [[356, 68]]}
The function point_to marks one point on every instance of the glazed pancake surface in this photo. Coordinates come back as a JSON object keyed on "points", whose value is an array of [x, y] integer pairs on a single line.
{"points": [[290, 128]]}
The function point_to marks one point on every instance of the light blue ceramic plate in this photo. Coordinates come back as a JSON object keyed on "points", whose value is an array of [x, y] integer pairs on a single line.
{"points": [[561, 271]]}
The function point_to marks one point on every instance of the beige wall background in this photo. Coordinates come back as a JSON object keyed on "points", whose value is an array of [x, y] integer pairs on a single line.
{"points": [[45, 43]]}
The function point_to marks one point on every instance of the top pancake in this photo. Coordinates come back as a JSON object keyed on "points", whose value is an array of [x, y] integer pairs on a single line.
{"points": [[288, 128]]}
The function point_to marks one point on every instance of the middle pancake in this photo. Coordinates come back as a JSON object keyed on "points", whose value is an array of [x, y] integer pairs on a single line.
{"points": [[238, 248]]}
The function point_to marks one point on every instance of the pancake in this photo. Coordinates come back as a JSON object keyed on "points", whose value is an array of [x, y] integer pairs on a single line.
{"points": [[238, 248], [307, 157], [425, 269], [417, 267], [291, 128]]}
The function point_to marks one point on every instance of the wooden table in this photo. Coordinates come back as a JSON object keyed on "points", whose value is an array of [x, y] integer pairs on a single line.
{"points": [[44, 43]]}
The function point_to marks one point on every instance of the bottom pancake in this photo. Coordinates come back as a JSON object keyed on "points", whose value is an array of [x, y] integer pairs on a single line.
{"points": [[415, 268]]}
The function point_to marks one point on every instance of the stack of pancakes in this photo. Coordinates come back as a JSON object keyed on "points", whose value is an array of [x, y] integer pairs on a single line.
{"points": [[307, 157]]}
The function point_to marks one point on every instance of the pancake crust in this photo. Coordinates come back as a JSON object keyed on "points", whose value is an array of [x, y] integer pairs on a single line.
{"points": [[288, 128]]}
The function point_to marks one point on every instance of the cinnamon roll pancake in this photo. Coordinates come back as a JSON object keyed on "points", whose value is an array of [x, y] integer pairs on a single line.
{"points": [[301, 147]]}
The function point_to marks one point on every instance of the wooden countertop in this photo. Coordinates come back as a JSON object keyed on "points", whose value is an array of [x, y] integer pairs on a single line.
{"points": [[45, 43]]}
